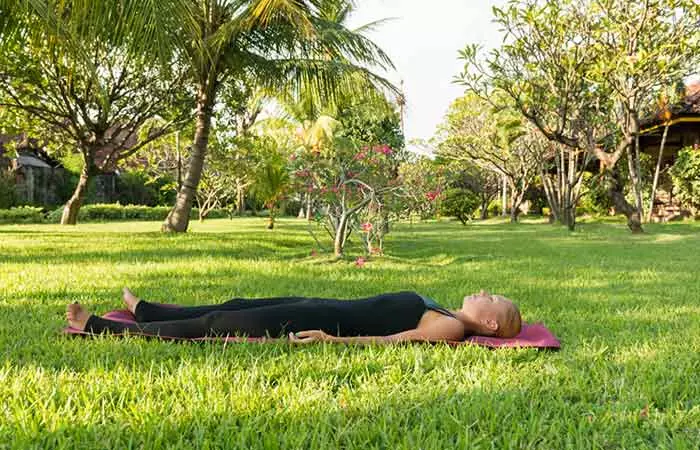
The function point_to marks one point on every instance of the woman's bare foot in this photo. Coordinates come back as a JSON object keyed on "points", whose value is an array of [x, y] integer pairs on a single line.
{"points": [[77, 316], [131, 300]]}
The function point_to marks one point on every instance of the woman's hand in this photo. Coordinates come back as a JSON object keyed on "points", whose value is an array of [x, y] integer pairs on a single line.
{"points": [[308, 336]]}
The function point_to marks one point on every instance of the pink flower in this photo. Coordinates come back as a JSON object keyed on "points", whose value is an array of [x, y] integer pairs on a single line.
{"points": [[366, 227], [433, 195], [384, 149], [360, 261], [334, 189], [314, 252], [360, 156]]}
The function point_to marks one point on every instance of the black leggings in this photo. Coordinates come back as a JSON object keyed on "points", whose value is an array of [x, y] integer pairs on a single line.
{"points": [[272, 317]]}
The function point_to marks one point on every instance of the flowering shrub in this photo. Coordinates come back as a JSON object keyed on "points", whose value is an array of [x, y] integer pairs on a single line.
{"points": [[425, 184], [353, 184]]}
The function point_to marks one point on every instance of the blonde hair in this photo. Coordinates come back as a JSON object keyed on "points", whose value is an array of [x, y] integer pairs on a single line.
{"points": [[512, 323]]}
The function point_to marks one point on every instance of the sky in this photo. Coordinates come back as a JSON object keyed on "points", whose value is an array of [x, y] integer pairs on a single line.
{"points": [[423, 40]]}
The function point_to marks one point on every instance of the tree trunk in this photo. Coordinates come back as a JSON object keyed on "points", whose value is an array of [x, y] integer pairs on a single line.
{"points": [[179, 160], [179, 217], [484, 209], [552, 197], [514, 212], [504, 196], [302, 213], [634, 220], [516, 199], [302, 202], [72, 206], [240, 198], [635, 176], [339, 242], [271, 222], [308, 206], [656, 173], [570, 216], [570, 190]]}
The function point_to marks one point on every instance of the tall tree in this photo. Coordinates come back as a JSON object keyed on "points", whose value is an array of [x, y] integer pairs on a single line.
{"points": [[493, 139], [570, 66], [561, 169], [466, 175], [292, 43], [272, 178], [87, 91]]}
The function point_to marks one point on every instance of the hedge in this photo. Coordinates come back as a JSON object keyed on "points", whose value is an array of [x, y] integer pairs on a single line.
{"points": [[98, 213], [22, 214]]}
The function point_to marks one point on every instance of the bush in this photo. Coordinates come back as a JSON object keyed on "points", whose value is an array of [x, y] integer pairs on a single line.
{"points": [[117, 212], [132, 189], [23, 214], [596, 200], [137, 187], [291, 208], [494, 208], [685, 174], [460, 203]]}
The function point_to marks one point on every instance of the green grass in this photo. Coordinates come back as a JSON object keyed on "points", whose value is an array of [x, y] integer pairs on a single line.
{"points": [[626, 309]]}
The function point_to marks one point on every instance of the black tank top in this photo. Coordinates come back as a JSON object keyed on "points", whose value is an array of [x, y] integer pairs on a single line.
{"points": [[380, 315]]}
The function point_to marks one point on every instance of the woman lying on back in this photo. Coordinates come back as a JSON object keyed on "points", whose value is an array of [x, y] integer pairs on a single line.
{"points": [[393, 317]]}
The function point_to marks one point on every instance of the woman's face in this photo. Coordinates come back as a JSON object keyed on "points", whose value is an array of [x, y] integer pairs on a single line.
{"points": [[492, 312], [484, 301]]}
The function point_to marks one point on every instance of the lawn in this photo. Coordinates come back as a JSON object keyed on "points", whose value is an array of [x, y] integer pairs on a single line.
{"points": [[626, 309]]}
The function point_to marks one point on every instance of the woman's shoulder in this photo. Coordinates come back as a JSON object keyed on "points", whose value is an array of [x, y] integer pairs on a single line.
{"points": [[441, 327]]}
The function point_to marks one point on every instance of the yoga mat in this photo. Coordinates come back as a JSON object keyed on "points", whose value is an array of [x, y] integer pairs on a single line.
{"points": [[534, 335]]}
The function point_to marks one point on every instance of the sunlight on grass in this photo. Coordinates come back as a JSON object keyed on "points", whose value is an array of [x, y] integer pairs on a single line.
{"points": [[625, 308]]}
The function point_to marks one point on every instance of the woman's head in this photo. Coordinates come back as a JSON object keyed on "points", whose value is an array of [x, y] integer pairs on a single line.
{"points": [[493, 315]]}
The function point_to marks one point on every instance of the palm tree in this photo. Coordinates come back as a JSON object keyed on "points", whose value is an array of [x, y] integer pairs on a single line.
{"points": [[271, 183], [293, 43]]}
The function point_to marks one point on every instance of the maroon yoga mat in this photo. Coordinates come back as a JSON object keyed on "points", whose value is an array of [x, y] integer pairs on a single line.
{"points": [[532, 335]]}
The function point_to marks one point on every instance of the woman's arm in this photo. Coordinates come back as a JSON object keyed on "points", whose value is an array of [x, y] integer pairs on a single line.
{"points": [[438, 330]]}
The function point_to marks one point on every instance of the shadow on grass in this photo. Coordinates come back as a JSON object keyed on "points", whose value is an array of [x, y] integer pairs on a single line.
{"points": [[403, 419], [617, 304]]}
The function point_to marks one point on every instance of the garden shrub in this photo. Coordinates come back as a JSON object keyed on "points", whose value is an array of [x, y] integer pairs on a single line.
{"points": [[132, 188], [291, 207], [115, 212], [494, 208], [460, 203], [138, 187], [685, 174], [596, 200], [22, 214]]}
